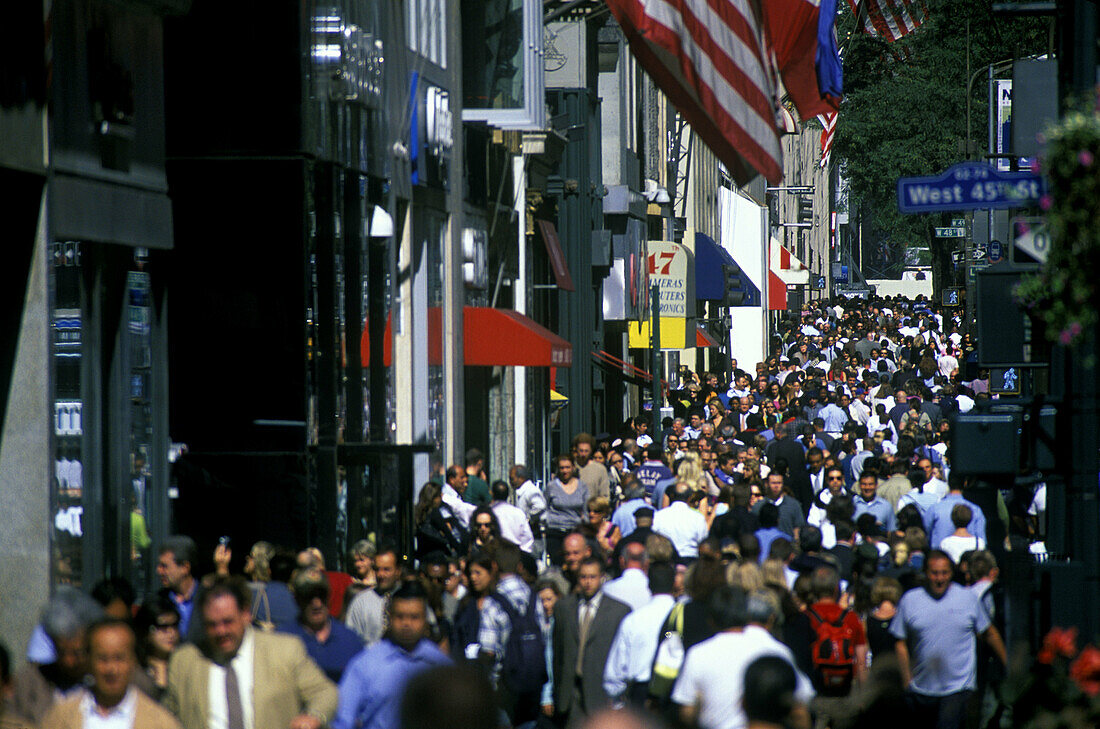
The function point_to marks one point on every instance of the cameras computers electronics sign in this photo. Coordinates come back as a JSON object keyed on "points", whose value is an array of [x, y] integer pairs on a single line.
{"points": [[672, 268]]}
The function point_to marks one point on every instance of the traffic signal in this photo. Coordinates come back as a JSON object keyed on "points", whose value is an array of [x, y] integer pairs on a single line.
{"points": [[805, 211], [734, 287]]}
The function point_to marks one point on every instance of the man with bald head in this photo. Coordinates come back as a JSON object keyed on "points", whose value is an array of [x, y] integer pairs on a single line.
{"points": [[575, 549], [632, 586]]}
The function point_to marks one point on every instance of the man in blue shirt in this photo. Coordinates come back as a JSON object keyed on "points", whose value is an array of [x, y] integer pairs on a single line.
{"points": [[328, 642], [869, 502], [374, 681], [937, 519], [633, 499], [936, 628], [653, 472]]}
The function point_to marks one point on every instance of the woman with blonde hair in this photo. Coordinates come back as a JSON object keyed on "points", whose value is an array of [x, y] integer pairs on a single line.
{"points": [[599, 518], [745, 575]]}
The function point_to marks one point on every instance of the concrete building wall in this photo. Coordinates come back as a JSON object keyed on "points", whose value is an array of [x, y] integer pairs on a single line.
{"points": [[25, 457], [801, 166]]}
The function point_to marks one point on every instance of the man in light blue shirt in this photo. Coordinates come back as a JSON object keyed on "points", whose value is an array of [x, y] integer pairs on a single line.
{"points": [[374, 681], [936, 628], [937, 519], [633, 499], [869, 502], [834, 417]]}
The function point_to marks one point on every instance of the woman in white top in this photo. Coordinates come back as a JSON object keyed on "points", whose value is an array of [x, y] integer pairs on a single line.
{"points": [[961, 541]]}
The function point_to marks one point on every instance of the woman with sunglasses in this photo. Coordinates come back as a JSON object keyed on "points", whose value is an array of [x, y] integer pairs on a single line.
{"points": [[157, 627]]}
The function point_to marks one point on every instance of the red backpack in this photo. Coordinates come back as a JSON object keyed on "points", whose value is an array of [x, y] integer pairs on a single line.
{"points": [[833, 653]]}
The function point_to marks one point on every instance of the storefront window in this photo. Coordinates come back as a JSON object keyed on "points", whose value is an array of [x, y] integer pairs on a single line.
{"points": [[68, 353], [138, 357]]}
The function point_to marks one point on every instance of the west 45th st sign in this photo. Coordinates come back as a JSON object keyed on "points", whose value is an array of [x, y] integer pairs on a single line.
{"points": [[969, 186]]}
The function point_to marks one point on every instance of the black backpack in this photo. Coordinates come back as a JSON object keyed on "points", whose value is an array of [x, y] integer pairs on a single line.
{"points": [[523, 666]]}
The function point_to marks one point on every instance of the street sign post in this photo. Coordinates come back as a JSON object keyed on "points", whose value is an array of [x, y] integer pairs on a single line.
{"points": [[969, 186]]}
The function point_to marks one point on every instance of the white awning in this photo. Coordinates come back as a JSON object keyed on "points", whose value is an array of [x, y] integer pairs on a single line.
{"points": [[786, 266]]}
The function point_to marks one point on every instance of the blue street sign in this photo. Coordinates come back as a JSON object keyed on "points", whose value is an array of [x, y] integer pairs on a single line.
{"points": [[969, 186]]}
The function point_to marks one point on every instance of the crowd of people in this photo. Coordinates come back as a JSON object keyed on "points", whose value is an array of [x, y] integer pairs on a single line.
{"points": [[791, 550]]}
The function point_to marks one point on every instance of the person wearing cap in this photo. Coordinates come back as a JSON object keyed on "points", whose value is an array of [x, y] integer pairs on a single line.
{"points": [[634, 498]]}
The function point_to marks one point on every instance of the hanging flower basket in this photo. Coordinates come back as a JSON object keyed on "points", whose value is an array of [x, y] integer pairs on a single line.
{"points": [[1063, 297]]}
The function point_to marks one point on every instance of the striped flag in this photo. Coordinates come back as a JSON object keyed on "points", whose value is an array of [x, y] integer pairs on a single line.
{"points": [[709, 58], [828, 121], [889, 19]]}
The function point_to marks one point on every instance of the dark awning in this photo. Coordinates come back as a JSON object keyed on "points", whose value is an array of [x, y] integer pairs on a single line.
{"points": [[549, 234], [491, 338]]}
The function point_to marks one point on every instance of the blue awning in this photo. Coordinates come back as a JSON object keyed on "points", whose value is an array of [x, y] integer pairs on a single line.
{"points": [[710, 274]]}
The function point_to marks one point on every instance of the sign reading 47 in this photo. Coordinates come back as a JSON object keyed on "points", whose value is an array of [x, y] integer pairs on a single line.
{"points": [[661, 262]]}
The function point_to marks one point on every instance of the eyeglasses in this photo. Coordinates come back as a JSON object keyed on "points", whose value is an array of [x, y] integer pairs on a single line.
{"points": [[174, 625], [836, 478]]}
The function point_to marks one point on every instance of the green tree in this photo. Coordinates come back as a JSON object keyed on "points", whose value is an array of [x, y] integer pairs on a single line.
{"points": [[904, 111]]}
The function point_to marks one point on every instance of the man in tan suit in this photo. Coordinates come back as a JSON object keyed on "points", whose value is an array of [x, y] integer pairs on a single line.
{"points": [[241, 678], [112, 700]]}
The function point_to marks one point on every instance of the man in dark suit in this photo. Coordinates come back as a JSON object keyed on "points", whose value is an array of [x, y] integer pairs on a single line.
{"points": [[584, 627]]}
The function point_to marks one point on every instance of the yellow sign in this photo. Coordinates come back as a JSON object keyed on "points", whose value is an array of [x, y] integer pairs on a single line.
{"points": [[676, 333]]}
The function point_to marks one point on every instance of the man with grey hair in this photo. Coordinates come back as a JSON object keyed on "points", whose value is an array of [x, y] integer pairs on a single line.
{"points": [[175, 564], [37, 686]]}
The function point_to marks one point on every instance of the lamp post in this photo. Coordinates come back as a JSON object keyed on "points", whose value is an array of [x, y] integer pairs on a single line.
{"points": [[655, 362]]}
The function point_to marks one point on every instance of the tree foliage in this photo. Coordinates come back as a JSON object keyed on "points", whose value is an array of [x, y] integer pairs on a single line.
{"points": [[904, 111]]}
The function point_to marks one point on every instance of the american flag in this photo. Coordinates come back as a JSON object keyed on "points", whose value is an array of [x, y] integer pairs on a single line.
{"points": [[889, 19], [828, 121], [708, 57]]}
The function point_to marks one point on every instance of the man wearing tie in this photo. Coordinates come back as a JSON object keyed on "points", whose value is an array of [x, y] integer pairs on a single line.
{"points": [[245, 679], [584, 627]]}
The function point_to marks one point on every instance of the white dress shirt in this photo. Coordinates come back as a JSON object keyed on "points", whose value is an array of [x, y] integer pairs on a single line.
{"points": [[243, 664], [631, 587], [685, 527], [530, 499], [459, 508], [514, 525], [119, 717], [631, 657]]}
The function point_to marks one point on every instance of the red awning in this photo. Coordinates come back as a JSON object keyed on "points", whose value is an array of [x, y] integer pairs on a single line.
{"points": [[704, 339], [549, 234], [491, 338]]}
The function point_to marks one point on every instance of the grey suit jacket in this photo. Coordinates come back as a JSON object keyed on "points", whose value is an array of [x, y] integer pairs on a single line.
{"points": [[566, 641]]}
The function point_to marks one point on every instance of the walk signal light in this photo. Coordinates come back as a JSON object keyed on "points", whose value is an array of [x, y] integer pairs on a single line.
{"points": [[805, 211]]}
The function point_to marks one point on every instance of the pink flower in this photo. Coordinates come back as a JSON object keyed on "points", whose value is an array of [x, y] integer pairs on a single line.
{"points": [[1045, 202], [1085, 158], [1041, 138], [1035, 166], [1065, 337], [1075, 328]]}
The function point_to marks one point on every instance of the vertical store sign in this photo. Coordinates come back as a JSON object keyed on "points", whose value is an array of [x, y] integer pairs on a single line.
{"points": [[672, 268]]}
